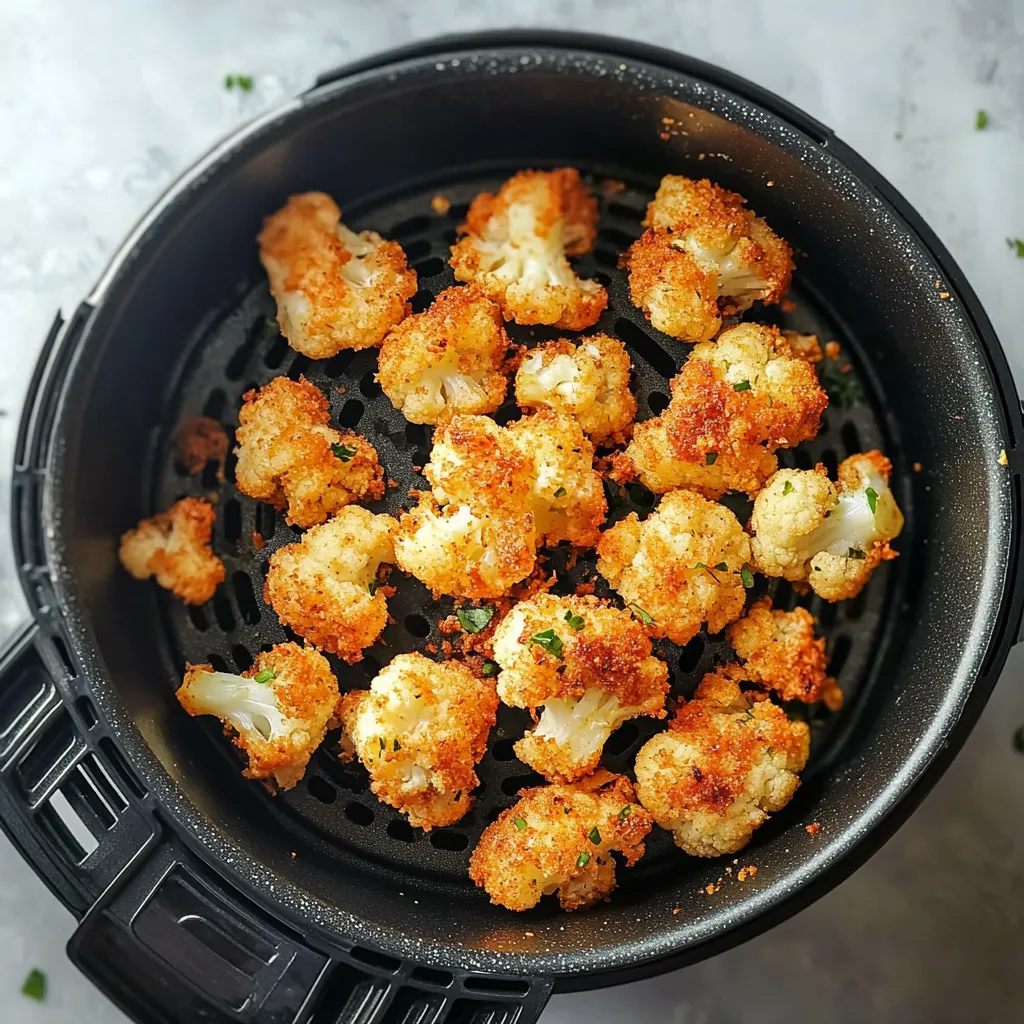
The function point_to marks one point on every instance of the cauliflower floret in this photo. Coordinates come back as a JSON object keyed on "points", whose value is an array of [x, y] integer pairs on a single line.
{"points": [[683, 565], [806, 528], [448, 359], [516, 246], [703, 255], [280, 708], [589, 665], [726, 761], [735, 401], [779, 650], [289, 456], [334, 288], [420, 729], [567, 496], [560, 838], [324, 587], [589, 381], [174, 546]]}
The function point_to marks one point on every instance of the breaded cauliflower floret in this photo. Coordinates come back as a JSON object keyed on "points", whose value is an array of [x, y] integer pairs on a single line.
{"points": [[334, 288], [567, 495], [289, 456], [515, 249], [448, 359], [804, 527], [324, 587], [735, 401], [589, 380], [779, 650], [726, 761], [280, 708], [703, 255], [174, 546], [681, 566], [588, 665], [561, 838], [420, 730]]}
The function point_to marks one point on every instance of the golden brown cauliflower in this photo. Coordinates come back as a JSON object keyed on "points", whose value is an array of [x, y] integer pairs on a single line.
{"points": [[420, 730], [560, 838], [725, 762], [779, 650], [449, 359], [567, 495], [174, 546], [516, 243], [588, 665], [589, 380], [703, 255], [735, 401], [324, 586], [289, 456], [683, 565], [804, 527], [334, 288], [279, 709]]}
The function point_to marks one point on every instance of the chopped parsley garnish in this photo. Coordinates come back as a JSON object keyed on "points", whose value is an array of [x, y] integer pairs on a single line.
{"points": [[575, 621], [645, 617], [872, 496], [583, 859], [747, 576], [1016, 244], [722, 567], [625, 812], [744, 385], [343, 452], [787, 487], [981, 120], [397, 746], [34, 985], [490, 668], [710, 458], [561, 492], [843, 388], [244, 82], [265, 676], [473, 620], [549, 640], [595, 836], [520, 824], [855, 553], [700, 565]]}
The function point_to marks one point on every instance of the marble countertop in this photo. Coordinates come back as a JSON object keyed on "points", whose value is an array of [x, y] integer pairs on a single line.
{"points": [[101, 105]]}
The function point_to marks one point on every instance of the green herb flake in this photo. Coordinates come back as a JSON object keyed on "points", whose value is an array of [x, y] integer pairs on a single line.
{"points": [[583, 859], [34, 985], [343, 452], [855, 553], [397, 746], [575, 621], [710, 458], [549, 640], [244, 82], [744, 385], [473, 620], [229, 81], [625, 812], [644, 616], [843, 388], [561, 492], [595, 836], [265, 676], [520, 824], [722, 567], [373, 588], [490, 668], [700, 565], [872, 496], [787, 487], [981, 120], [747, 577], [1016, 244]]}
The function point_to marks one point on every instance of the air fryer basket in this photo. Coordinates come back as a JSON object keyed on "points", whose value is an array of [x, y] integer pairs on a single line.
{"points": [[322, 900]]}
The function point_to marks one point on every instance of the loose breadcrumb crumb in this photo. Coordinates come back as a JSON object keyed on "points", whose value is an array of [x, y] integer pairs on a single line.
{"points": [[200, 440], [440, 205]]}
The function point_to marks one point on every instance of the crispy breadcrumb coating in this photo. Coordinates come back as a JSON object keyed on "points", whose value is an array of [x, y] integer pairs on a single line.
{"points": [[804, 527], [588, 665], [726, 761], [559, 838], [680, 567], [335, 289], [449, 359], [805, 346], [567, 496], [420, 730], [779, 650], [702, 256], [589, 380], [289, 456], [279, 709], [516, 243], [324, 585], [735, 401], [174, 546]]}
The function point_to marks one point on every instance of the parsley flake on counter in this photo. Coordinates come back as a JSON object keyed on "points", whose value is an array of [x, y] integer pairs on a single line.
{"points": [[34, 985], [981, 120], [1016, 244], [243, 82]]}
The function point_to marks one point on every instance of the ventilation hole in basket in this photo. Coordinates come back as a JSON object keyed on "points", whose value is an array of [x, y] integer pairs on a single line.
{"points": [[602, 278], [230, 461], [802, 459], [784, 596], [266, 520], [299, 365], [421, 300], [274, 356], [622, 739], [645, 347], [321, 789], [246, 599], [351, 413], [368, 384], [623, 212], [506, 414], [449, 236], [198, 617], [657, 401], [210, 478], [514, 783], [444, 839], [690, 655], [614, 237], [222, 609], [291, 636], [370, 666], [417, 250], [640, 495], [241, 656], [851, 438], [606, 258], [239, 361], [840, 652], [232, 520], [830, 462], [401, 830], [417, 625], [410, 227], [416, 433], [494, 813], [217, 663], [853, 610], [504, 750], [215, 402], [359, 814], [339, 363], [428, 268], [354, 781]]}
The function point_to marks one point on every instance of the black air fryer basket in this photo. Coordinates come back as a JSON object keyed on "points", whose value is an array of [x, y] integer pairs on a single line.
{"points": [[203, 898]]}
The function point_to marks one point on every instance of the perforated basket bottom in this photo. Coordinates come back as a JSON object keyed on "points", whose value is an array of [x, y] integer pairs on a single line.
{"points": [[244, 349]]}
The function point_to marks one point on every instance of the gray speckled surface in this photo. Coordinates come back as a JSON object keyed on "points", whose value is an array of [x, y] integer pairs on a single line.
{"points": [[101, 105]]}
